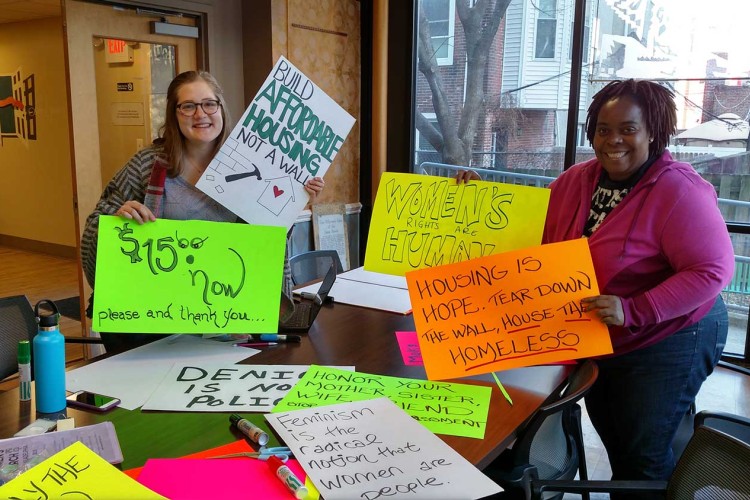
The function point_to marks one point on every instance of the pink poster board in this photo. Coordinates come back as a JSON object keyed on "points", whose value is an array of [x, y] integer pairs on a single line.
{"points": [[409, 345], [224, 478]]}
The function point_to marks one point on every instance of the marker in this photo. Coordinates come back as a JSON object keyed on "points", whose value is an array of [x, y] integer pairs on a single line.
{"points": [[272, 337], [502, 389], [287, 477], [24, 370], [249, 429], [254, 344]]}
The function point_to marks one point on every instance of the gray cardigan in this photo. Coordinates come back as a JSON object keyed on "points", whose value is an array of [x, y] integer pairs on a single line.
{"points": [[130, 183]]}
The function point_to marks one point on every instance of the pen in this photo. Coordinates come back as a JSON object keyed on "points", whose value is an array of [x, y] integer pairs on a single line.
{"points": [[287, 477], [254, 344], [249, 429], [275, 337], [502, 389]]}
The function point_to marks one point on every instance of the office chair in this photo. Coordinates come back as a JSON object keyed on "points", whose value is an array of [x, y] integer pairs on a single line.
{"points": [[17, 322], [551, 445], [736, 426], [313, 265], [714, 466]]}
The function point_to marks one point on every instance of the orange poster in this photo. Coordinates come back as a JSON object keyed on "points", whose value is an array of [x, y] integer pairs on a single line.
{"points": [[518, 308]]}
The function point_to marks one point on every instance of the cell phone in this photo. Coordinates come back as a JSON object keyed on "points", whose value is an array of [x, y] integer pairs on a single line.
{"points": [[92, 401]]}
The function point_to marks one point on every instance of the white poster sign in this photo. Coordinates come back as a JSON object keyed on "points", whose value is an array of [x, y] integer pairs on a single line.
{"points": [[373, 449], [223, 387], [290, 133]]}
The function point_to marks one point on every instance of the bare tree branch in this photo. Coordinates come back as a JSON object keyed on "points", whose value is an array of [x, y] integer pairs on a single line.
{"points": [[428, 130], [480, 24], [428, 66]]}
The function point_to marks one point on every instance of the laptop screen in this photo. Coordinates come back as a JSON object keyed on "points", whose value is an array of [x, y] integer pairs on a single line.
{"points": [[326, 285]]}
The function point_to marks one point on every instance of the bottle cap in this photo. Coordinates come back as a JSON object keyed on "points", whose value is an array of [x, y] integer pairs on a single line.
{"points": [[47, 320], [24, 351], [234, 418]]}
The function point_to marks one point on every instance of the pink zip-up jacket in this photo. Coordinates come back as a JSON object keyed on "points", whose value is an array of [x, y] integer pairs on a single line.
{"points": [[664, 250]]}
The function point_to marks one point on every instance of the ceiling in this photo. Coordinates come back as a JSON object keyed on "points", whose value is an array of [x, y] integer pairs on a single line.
{"points": [[12, 11]]}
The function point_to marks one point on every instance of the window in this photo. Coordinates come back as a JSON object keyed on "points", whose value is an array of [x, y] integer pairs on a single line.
{"points": [[581, 139], [441, 15], [546, 29], [699, 52], [585, 44], [499, 147], [508, 122], [426, 151]]}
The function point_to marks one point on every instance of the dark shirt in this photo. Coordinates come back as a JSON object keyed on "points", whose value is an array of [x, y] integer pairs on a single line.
{"points": [[609, 193]]}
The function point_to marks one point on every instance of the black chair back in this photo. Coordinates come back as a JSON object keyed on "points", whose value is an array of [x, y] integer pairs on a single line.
{"points": [[714, 466], [17, 323], [313, 265], [551, 443]]}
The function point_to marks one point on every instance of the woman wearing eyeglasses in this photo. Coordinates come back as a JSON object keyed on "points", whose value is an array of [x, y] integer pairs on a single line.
{"points": [[146, 189]]}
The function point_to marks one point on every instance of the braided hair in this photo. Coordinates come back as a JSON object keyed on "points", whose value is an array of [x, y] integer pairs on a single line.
{"points": [[656, 103]]}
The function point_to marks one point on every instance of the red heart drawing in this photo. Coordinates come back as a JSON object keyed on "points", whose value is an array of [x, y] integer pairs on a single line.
{"points": [[277, 192]]}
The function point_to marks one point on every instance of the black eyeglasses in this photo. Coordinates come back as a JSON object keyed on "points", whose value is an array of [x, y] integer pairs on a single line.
{"points": [[209, 106]]}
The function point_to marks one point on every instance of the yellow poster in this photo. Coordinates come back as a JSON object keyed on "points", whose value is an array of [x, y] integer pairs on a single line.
{"points": [[75, 473], [504, 311], [421, 221], [191, 276]]}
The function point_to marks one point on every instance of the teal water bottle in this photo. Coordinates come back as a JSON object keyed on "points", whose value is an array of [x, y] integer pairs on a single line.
{"points": [[48, 348]]}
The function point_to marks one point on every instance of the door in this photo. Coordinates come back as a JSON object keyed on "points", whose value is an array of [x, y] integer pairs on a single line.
{"points": [[118, 77], [131, 95]]}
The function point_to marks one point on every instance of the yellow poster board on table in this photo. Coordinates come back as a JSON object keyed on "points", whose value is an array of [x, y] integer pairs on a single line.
{"points": [[171, 276], [519, 308], [75, 473], [422, 221]]}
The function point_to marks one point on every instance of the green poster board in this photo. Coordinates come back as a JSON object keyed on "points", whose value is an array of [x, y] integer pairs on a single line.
{"points": [[442, 407], [194, 276]]}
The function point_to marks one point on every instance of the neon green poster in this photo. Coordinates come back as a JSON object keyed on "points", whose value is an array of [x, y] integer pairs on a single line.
{"points": [[193, 276], [422, 221], [443, 407]]}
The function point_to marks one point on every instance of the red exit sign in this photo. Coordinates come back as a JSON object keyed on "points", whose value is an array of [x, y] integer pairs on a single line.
{"points": [[116, 46]]}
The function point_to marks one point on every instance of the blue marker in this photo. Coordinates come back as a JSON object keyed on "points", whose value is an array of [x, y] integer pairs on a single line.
{"points": [[272, 337]]}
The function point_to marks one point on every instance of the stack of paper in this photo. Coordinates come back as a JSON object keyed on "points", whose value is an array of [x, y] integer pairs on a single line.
{"points": [[368, 289]]}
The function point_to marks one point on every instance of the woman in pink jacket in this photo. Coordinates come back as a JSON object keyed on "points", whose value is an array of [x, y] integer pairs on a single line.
{"points": [[662, 255]]}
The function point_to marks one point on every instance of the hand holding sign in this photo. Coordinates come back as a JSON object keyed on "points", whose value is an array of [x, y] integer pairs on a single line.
{"points": [[289, 134], [504, 311]]}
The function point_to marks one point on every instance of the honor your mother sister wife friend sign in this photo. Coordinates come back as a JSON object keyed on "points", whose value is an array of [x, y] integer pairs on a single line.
{"points": [[289, 134]]}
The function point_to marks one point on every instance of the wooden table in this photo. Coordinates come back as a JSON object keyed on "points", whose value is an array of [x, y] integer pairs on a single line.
{"points": [[341, 335]]}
